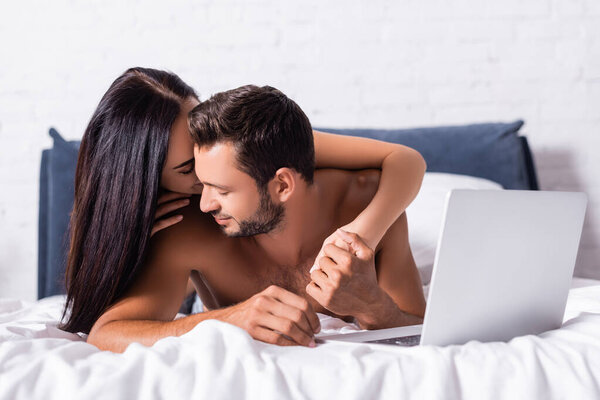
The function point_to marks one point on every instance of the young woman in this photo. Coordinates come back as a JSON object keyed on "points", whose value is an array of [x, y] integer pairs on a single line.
{"points": [[136, 166]]}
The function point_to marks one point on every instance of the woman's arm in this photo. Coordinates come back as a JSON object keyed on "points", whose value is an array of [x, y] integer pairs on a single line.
{"points": [[402, 170]]}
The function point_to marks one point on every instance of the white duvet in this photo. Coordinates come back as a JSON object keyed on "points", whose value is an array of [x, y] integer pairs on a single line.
{"points": [[218, 360]]}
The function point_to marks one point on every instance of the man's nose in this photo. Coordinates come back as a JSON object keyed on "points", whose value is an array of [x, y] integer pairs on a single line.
{"points": [[207, 202]]}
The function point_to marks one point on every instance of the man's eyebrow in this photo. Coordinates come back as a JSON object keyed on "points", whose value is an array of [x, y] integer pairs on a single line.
{"points": [[217, 186], [191, 160]]}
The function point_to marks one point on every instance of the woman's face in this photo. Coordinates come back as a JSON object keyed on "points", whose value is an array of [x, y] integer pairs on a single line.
{"points": [[178, 173]]}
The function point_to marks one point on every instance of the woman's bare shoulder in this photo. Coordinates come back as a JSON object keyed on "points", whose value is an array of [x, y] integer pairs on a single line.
{"points": [[187, 242]]}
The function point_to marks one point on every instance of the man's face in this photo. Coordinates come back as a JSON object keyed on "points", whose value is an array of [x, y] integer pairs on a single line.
{"points": [[231, 196]]}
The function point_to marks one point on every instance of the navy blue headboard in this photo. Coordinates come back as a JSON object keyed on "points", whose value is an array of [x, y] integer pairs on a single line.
{"points": [[493, 151], [57, 183]]}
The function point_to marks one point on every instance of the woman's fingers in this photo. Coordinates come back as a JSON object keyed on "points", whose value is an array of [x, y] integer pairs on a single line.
{"points": [[165, 223], [164, 209], [356, 243], [341, 244], [167, 203], [170, 196], [331, 239]]}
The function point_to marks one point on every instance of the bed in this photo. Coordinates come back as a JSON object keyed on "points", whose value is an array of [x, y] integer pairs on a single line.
{"points": [[37, 360]]}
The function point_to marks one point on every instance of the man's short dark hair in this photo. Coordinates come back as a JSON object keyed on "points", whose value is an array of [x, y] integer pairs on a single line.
{"points": [[268, 130]]}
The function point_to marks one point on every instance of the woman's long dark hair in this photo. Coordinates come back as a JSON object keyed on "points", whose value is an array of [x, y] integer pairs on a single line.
{"points": [[117, 180]]}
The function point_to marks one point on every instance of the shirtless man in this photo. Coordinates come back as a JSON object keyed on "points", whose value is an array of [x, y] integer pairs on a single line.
{"points": [[255, 157]]}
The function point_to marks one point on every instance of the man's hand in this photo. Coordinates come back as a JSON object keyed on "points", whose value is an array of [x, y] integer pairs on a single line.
{"points": [[346, 282], [276, 316], [334, 238]]}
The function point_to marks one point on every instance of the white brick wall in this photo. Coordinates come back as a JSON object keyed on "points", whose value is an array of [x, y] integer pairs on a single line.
{"points": [[348, 63]]}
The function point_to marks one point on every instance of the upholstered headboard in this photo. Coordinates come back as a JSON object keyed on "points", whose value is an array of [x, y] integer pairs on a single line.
{"points": [[493, 151], [57, 182]]}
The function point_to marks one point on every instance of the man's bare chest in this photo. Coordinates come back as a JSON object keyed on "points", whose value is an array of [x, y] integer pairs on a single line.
{"points": [[241, 274]]}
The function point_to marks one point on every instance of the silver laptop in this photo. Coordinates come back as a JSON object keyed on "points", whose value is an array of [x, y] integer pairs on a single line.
{"points": [[502, 269]]}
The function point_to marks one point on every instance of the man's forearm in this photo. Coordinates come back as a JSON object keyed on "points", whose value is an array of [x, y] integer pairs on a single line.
{"points": [[384, 313], [115, 336]]}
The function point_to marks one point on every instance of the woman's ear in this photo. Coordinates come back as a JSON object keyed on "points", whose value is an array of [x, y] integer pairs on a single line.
{"points": [[283, 184]]}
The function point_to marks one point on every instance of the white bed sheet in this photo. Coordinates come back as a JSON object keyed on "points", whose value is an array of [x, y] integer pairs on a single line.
{"points": [[38, 361]]}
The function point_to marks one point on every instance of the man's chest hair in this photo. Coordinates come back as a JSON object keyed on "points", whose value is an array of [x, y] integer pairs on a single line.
{"points": [[290, 277], [253, 270]]}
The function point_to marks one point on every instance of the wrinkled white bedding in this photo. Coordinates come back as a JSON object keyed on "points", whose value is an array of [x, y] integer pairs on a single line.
{"points": [[38, 361]]}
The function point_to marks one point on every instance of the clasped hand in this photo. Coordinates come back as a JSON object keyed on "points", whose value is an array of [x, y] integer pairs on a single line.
{"points": [[344, 280]]}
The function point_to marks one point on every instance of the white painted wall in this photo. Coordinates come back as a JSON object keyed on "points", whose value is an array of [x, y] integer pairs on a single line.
{"points": [[396, 63]]}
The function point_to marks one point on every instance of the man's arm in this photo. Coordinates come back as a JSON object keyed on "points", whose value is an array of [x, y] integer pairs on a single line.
{"points": [[145, 313], [116, 335], [389, 295], [401, 300], [273, 316]]}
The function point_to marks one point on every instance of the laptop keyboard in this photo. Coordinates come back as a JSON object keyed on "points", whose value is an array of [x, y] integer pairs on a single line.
{"points": [[413, 340]]}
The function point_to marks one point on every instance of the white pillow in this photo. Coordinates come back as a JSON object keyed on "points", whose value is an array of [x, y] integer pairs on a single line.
{"points": [[426, 211]]}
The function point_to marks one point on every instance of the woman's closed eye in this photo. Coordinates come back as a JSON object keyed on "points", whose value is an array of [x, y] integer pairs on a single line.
{"points": [[185, 167], [188, 171]]}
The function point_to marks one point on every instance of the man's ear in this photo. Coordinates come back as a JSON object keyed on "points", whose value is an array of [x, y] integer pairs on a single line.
{"points": [[283, 184]]}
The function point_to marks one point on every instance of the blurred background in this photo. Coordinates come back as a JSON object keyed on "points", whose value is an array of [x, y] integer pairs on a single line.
{"points": [[377, 63]]}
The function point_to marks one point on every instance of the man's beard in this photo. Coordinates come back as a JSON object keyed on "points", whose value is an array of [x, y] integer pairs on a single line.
{"points": [[268, 217]]}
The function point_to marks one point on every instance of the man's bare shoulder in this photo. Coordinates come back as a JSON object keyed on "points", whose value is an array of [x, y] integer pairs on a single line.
{"points": [[362, 186], [349, 191]]}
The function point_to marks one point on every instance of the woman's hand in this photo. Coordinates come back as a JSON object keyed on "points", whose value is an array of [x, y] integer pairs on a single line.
{"points": [[337, 241], [167, 203], [402, 171]]}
